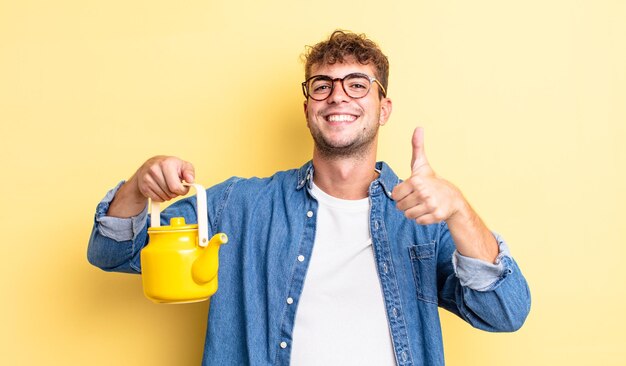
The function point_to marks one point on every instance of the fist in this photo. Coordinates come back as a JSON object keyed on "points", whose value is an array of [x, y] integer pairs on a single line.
{"points": [[160, 178], [425, 197]]}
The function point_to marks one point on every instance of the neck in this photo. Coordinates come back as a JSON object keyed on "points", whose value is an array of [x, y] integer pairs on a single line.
{"points": [[345, 177]]}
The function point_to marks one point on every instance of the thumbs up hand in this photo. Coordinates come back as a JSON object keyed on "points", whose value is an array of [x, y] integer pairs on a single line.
{"points": [[428, 199], [425, 197]]}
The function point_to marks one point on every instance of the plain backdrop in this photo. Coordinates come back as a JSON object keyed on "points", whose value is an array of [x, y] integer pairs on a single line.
{"points": [[523, 105]]}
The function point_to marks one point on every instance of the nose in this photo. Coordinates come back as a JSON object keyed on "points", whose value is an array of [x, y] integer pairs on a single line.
{"points": [[338, 95]]}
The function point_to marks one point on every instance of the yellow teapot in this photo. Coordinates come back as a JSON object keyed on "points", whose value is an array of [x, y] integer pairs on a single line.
{"points": [[179, 264]]}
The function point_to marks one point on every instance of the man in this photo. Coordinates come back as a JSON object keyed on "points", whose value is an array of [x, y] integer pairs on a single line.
{"points": [[337, 262]]}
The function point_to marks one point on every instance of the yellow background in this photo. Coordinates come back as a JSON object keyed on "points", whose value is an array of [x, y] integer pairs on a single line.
{"points": [[524, 105]]}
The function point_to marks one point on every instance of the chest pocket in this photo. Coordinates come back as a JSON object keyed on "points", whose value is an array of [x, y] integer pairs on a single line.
{"points": [[424, 265]]}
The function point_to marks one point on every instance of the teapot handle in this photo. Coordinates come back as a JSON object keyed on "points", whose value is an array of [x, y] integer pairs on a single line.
{"points": [[201, 213]]}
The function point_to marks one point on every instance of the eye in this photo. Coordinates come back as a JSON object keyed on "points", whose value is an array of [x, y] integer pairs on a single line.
{"points": [[357, 83], [321, 85]]}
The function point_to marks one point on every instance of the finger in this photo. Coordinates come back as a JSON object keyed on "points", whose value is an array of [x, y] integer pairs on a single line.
{"points": [[415, 183], [188, 172], [152, 190], [427, 219], [416, 211], [402, 190], [159, 183], [172, 175], [156, 196], [418, 158], [411, 200]]}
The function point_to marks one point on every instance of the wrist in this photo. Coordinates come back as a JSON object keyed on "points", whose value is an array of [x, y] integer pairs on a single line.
{"points": [[462, 211], [131, 192], [128, 201]]}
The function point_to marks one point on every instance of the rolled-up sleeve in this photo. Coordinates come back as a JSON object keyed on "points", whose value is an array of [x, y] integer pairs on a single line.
{"points": [[116, 228], [115, 243], [481, 275]]}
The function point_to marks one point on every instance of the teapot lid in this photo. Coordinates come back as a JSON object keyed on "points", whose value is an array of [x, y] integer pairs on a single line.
{"points": [[176, 223]]}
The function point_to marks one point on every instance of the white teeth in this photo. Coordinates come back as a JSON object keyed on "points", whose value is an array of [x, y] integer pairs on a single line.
{"points": [[341, 118]]}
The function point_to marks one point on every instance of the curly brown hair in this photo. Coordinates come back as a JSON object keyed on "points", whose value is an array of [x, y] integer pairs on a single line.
{"points": [[342, 45]]}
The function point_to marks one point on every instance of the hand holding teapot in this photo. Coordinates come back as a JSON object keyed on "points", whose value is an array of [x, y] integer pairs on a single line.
{"points": [[158, 179]]}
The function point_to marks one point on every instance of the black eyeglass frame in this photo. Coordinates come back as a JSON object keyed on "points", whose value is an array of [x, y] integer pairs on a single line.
{"points": [[372, 80]]}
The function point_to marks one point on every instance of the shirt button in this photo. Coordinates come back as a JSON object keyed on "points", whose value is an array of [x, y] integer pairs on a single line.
{"points": [[376, 225], [283, 345], [309, 214], [289, 300], [385, 269], [300, 258], [394, 311]]}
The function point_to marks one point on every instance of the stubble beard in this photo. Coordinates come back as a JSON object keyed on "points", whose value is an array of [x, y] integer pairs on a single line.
{"points": [[358, 147]]}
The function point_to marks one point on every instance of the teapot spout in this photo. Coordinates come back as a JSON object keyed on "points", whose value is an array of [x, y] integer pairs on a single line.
{"points": [[204, 268]]}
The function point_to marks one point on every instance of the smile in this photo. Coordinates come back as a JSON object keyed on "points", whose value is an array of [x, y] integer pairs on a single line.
{"points": [[341, 118]]}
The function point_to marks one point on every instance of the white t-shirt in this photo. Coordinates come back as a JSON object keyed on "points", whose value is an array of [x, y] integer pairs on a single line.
{"points": [[341, 318]]}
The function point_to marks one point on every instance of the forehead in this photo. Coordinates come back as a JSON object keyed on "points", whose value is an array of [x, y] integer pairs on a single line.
{"points": [[341, 69]]}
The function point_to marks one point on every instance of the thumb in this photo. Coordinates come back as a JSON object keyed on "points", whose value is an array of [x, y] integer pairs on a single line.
{"points": [[419, 156]]}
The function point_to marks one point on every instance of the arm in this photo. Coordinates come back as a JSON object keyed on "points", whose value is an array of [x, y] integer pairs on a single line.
{"points": [[477, 278], [491, 297], [120, 226], [427, 199], [115, 243]]}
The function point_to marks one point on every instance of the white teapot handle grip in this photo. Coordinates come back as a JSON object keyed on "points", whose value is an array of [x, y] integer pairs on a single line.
{"points": [[201, 213]]}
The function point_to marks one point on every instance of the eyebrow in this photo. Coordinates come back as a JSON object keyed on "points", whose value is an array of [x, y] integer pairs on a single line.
{"points": [[345, 76]]}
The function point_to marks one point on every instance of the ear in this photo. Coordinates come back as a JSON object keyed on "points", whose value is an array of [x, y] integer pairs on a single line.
{"points": [[305, 106], [385, 110]]}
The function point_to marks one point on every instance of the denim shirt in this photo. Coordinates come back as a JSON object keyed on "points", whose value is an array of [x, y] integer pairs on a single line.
{"points": [[271, 225]]}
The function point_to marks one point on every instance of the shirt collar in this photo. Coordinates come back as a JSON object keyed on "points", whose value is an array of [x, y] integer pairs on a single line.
{"points": [[305, 174], [387, 178]]}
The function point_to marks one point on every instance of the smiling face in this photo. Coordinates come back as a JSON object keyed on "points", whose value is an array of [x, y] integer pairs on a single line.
{"points": [[342, 126]]}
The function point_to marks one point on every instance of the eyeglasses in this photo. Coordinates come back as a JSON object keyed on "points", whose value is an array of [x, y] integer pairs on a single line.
{"points": [[355, 85]]}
